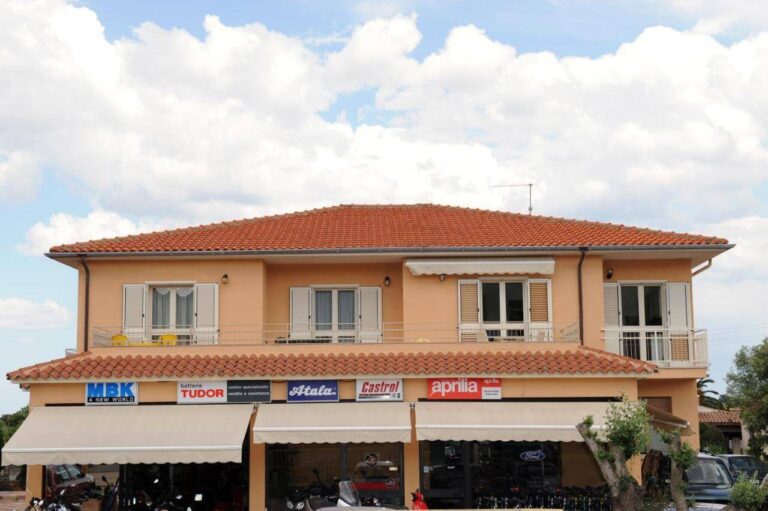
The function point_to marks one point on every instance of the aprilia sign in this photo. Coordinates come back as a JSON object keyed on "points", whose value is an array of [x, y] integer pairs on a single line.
{"points": [[317, 391], [464, 388], [380, 390]]}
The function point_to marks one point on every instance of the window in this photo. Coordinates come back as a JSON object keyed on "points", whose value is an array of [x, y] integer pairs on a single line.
{"points": [[642, 306], [173, 308], [335, 311], [503, 305]]}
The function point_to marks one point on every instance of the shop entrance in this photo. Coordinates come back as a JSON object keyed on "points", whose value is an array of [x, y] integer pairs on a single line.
{"points": [[461, 474], [375, 469]]}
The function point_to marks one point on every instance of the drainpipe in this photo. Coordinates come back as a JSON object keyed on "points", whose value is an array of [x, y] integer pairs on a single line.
{"points": [[87, 301], [583, 251]]}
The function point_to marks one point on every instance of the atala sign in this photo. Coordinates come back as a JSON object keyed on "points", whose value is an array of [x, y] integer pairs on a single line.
{"points": [[315, 391], [112, 393]]}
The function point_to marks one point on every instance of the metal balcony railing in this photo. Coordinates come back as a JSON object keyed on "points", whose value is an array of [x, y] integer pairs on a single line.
{"points": [[352, 333], [663, 346]]}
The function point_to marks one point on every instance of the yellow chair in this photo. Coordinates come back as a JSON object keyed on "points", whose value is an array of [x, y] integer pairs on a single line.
{"points": [[168, 339], [119, 340]]}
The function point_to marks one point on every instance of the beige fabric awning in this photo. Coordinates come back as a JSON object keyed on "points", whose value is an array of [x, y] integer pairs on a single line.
{"points": [[506, 421], [130, 434], [667, 421], [308, 423], [478, 266]]}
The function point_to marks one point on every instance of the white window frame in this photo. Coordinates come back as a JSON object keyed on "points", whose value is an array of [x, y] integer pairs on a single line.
{"points": [[504, 327], [651, 338], [335, 334], [183, 333]]}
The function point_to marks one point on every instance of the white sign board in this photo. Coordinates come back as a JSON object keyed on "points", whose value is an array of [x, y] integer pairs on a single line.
{"points": [[196, 392], [390, 389]]}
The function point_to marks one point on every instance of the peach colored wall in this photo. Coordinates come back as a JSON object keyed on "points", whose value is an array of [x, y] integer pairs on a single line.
{"points": [[241, 300], [281, 277], [671, 270], [685, 401]]}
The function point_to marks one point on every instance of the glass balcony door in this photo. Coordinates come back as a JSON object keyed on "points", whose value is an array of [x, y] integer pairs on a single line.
{"points": [[642, 321], [335, 315]]}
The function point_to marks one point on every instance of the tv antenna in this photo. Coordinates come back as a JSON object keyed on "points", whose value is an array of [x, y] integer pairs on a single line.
{"points": [[530, 193]]}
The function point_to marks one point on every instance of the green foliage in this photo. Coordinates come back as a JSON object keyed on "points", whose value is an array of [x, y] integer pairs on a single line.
{"points": [[685, 457], [748, 388], [707, 397], [9, 423], [712, 439], [747, 494], [628, 426]]}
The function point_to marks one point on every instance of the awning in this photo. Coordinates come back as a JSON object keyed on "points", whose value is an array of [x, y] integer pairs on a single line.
{"points": [[308, 423], [477, 266], [130, 434], [506, 421], [666, 421]]}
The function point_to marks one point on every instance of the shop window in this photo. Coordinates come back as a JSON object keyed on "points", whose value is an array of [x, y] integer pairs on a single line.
{"points": [[375, 470]]}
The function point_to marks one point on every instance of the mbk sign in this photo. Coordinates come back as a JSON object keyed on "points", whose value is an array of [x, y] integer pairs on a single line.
{"points": [[112, 393], [464, 388]]}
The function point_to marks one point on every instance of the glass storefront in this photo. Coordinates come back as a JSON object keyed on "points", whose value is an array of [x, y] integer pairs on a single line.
{"points": [[460, 474], [375, 469]]}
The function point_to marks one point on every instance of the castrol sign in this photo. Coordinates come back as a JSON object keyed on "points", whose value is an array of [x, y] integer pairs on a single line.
{"points": [[380, 390], [464, 388], [200, 392]]}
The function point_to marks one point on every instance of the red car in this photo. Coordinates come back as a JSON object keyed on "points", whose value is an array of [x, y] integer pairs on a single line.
{"points": [[69, 478]]}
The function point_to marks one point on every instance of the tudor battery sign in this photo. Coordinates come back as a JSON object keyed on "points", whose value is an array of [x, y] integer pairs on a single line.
{"points": [[380, 390], [112, 393], [464, 388], [189, 392]]}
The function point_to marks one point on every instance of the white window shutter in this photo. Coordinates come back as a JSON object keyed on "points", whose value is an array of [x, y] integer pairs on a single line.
{"points": [[369, 303], [539, 310], [469, 310], [134, 311], [679, 321], [206, 312], [611, 316], [301, 315]]}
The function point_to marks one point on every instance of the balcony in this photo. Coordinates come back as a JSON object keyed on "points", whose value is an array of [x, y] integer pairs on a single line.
{"points": [[395, 333], [662, 346]]}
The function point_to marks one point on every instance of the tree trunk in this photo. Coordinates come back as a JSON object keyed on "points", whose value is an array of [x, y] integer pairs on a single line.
{"points": [[624, 492], [676, 485]]}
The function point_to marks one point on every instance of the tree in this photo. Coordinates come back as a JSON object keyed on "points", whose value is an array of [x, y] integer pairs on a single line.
{"points": [[707, 397], [748, 388], [10, 423], [626, 435], [712, 439]]}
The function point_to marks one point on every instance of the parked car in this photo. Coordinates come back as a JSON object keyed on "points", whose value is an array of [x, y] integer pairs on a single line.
{"points": [[744, 464], [709, 480], [69, 478]]}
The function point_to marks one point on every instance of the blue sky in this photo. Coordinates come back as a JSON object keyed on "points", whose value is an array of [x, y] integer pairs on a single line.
{"points": [[81, 159]]}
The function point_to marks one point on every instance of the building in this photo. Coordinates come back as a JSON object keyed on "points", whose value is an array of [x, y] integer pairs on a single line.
{"points": [[728, 422], [412, 346]]}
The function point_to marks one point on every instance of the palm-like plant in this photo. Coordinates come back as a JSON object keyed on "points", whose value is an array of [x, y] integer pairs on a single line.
{"points": [[708, 397]]}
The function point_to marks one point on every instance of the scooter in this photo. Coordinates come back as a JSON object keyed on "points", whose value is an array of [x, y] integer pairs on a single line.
{"points": [[418, 500], [296, 501]]}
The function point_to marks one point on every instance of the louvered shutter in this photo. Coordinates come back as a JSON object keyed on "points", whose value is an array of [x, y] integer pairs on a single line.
{"points": [[206, 313], [611, 316], [301, 316], [134, 311], [369, 301], [539, 310], [679, 320], [469, 311]]}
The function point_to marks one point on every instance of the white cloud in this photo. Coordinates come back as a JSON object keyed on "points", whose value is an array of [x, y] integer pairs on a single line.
{"points": [[718, 16], [63, 228], [18, 313]]}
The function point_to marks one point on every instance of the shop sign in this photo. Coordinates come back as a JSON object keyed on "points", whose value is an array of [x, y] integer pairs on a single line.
{"points": [[380, 390], [194, 392], [231, 391], [316, 391], [112, 393], [464, 388], [537, 455], [249, 391]]}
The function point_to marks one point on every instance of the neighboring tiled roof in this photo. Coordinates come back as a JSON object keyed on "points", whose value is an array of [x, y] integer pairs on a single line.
{"points": [[579, 361], [720, 417], [390, 227]]}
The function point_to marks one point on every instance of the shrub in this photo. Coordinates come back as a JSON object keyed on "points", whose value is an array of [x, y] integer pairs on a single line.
{"points": [[747, 494]]}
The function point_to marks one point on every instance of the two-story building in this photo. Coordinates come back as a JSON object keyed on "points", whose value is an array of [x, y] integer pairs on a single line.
{"points": [[404, 346]]}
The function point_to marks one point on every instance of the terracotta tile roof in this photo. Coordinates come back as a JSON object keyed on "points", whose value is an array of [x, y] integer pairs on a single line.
{"points": [[720, 417], [389, 227], [579, 361]]}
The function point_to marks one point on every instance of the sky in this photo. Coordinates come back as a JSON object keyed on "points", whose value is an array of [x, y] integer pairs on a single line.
{"points": [[124, 117]]}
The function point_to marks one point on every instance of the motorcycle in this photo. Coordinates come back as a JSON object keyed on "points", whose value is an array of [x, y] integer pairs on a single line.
{"points": [[296, 501], [418, 500]]}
